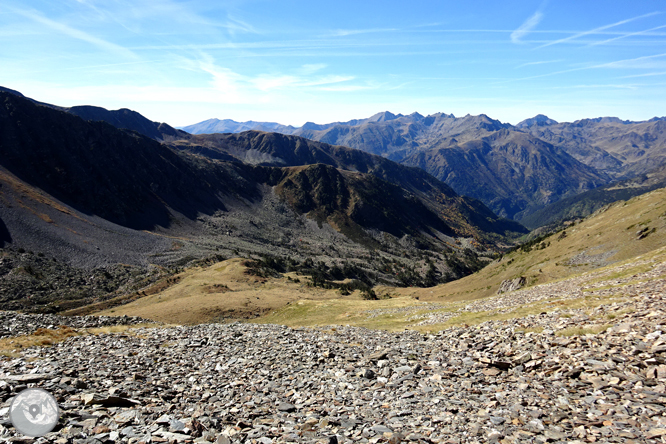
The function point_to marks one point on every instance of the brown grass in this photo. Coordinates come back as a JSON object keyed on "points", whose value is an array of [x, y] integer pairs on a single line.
{"points": [[222, 291], [582, 331], [604, 233], [42, 337], [45, 337]]}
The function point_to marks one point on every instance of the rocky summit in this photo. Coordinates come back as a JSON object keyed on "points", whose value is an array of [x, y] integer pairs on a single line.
{"points": [[573, 376]]}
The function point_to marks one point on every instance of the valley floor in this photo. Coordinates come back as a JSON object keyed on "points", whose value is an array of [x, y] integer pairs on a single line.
{"points": [[579, 360]]}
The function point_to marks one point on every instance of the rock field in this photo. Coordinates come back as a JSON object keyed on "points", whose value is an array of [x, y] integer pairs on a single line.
{"points": [[533, 379], [15, 324]]}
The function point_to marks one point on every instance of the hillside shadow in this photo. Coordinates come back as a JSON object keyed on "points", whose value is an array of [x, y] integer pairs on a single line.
{"points": [[5, 237]]}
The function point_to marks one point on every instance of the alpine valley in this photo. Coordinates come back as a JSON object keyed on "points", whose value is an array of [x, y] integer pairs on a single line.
{"points": [[515, 170], [98, 204], [100, 208]]}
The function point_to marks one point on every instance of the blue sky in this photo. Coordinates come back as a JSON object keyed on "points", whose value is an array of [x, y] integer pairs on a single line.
{"points": [[293, 61]]}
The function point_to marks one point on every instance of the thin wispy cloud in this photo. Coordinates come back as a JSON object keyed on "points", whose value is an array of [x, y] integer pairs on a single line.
{"points": [[648, 74], [101, 67], [634, 63], [597, 30], [524, 29], [348, 32], [135, 15], [540, 62], [612, 86], [241, 88], [344, 88], [75, 33], [235, 25], [310, 68], [629, 34]]}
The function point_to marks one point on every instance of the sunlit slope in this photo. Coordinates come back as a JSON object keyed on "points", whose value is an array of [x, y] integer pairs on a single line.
{"points": [[608, 236], [606, 241], [218, 292]]}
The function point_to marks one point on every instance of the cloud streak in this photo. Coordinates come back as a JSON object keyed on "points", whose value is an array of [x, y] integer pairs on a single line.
{"points": [[597, 30], [635, 63], [540, 62], [524, 29], [76, 33], [240, 88], [630, 34]]}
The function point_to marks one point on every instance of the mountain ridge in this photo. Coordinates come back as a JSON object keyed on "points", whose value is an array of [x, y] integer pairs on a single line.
{"points": [[91, 196], [593, 152]]}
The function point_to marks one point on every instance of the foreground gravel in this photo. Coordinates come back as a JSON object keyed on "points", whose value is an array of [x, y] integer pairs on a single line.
{"points": [[267, 383]]}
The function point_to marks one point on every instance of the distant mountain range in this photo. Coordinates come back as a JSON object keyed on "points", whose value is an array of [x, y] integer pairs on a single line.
{"points": [[515, 170], [85, 187], [231, 126]]}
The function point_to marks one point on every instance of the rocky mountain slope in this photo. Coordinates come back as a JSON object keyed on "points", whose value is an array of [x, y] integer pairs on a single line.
{"points": [[623, 149], [513, 173], [88, 194], [523, 168], [586, 203], [271, 149]]}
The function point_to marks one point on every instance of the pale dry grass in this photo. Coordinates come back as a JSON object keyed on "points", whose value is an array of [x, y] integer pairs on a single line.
{"points": [[582, 331], [42, 337], [613, 230], [220, 291], [45, 337], [351, 310]]}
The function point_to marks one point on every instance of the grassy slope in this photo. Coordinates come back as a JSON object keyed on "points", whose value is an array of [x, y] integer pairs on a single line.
{"points": [[216, 292], [606, 237], [604, 240]]}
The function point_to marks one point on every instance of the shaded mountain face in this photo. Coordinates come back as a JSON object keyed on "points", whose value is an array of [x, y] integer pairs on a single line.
{"points": [[499, 163], [464, 214], [621, 149], [514, 173], [122, 118], [125, 119], [584, 204], [118, 175], [353, 201]]}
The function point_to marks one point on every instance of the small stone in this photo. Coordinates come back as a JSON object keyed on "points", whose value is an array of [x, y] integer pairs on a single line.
{"points": [[378, 355], [286, 407], [223, 439], [176, 426], [497, 420], [653, 433], [367, 374], [126, 417], [381, 429], [494, 435], [100, 429], [164, 420], [493, 371]]}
